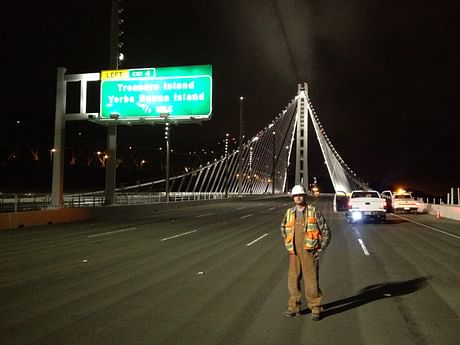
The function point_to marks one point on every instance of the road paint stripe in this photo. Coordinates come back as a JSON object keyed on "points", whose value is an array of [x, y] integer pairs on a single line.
{"points": [[178, 235], [204, 215], [429, 227], [257, 239], [112, 232], [355, 229], [246, 216], [271, 209], [240, 208], [363, 247]]}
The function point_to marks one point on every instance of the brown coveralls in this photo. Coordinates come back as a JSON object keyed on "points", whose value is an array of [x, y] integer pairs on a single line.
{"points": [[303, 264]]}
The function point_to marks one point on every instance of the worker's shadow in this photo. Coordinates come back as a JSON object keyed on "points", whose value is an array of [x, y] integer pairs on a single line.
{"points": [[372, 293]]}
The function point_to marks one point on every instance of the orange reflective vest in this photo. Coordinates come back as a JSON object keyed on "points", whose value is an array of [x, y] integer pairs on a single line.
{"points": [[312, 240]]}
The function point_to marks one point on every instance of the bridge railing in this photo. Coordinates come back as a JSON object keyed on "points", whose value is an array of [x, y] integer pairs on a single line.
{"points": [[133, 198], [17, 202], [21, 202]]}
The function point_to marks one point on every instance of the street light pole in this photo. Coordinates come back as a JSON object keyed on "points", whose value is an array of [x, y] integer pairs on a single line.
{"points": [[226, 165], [250, 169], [167, 137], [273, 162], [240, 151]]}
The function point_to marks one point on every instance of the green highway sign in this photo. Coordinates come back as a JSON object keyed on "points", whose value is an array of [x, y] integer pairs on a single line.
{"points": [[180, 93]]}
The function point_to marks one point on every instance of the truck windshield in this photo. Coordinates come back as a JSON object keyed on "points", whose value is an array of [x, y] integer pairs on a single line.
{"points": [[365, 195], [403, 196]]}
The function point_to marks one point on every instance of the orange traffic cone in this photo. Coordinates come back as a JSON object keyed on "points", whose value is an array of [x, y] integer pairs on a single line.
{"points": [[438, 214]]}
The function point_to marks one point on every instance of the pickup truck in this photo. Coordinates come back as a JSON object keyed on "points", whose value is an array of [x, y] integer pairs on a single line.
{"points": [[364, 204], [401, 201]]}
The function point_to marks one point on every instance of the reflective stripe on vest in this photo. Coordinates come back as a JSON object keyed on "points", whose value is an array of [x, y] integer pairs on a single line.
{"points": [[290, 224], [312, 235]]}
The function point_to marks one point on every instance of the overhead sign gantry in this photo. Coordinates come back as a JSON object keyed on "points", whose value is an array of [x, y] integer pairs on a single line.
{"points": [[145, 95], [132, 96]]}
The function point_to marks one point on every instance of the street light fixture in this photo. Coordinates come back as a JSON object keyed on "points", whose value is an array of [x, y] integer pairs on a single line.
{"points": [[52, 151]]}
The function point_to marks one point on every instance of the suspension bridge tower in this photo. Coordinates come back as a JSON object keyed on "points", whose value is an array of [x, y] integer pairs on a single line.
{"points": [[301, 161]]}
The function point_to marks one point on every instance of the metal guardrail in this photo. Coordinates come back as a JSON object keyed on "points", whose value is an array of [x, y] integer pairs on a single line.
{"points": [[160, 197], [22, 202], [36, 202]]}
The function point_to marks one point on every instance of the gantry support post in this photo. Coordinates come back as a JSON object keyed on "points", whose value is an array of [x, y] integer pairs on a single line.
{"points": [[57, 185], [111, 164]]}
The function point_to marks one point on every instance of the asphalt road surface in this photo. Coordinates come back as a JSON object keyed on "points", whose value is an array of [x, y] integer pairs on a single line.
{"points": [[217, 274]]}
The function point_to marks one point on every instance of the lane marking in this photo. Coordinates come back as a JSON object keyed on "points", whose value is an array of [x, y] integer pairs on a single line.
{"points": [[257, 239], [361, 242], [240, 208], [363, 247], [355, 229], [429, 227], [178, 235], [271, 209], [246, 216], [204, 215], [112, 232]]}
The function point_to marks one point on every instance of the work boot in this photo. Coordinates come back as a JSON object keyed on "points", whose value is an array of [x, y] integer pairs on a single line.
{"points": [[290, 314], [316, 316], [316, 313]]}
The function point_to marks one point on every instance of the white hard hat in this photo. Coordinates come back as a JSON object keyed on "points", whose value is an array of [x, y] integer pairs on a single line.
{"points": [[298, 189]]}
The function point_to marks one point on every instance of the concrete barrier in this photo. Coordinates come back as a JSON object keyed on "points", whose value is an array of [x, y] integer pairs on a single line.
{"points": [[62, 215], [446, 211], [50, 216]]}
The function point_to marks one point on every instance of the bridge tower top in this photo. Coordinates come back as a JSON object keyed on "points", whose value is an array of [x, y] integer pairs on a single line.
{"points": [[301, 162]]}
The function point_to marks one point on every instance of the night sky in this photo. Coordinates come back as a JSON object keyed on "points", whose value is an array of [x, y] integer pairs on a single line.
{"points": [[383, 75]]}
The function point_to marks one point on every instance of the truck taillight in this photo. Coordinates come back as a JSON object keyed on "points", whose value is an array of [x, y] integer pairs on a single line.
{"points": [[350, 204], [384, 204]]}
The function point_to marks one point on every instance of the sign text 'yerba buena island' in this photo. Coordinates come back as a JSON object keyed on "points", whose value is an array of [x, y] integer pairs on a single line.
{"points": [[181, 92]]}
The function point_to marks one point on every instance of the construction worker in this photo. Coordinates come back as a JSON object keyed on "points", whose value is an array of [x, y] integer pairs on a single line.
{"points": [[305, 235]]}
